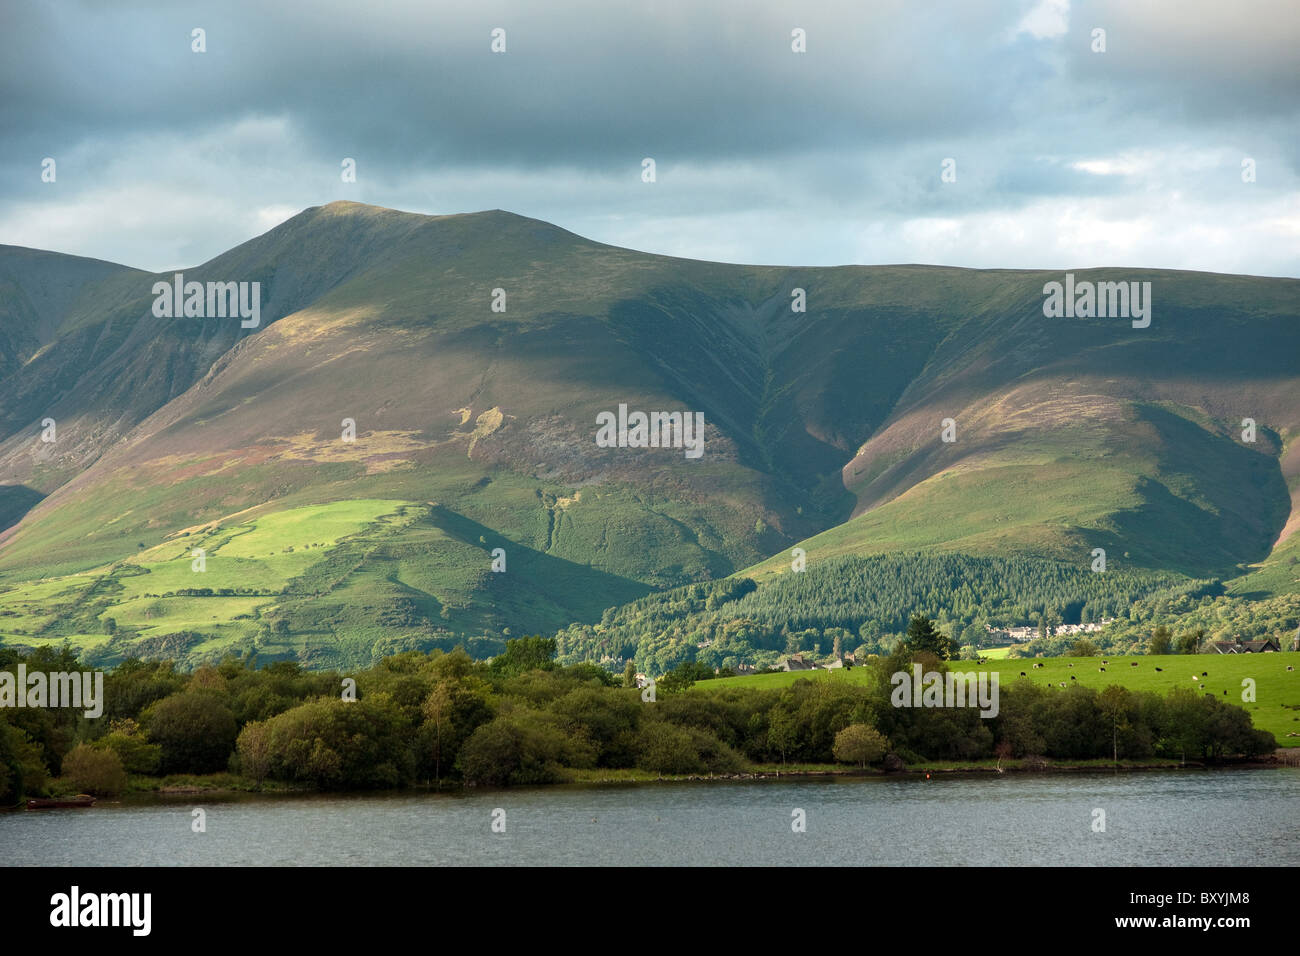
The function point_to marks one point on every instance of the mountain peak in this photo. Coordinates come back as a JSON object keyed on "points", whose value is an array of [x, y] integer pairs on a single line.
{"points": [[502, 219]]}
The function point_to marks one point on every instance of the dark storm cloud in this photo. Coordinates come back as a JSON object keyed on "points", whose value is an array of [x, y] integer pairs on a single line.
{"points": [[740, 126], [580, 83]]}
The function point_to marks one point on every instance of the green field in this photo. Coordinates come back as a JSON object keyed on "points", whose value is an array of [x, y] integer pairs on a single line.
{"points": [[1277, 692], [262, 555], [327, 582]]}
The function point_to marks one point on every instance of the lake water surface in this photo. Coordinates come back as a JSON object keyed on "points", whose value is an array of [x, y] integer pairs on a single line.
{"points": [[1237, 818]]}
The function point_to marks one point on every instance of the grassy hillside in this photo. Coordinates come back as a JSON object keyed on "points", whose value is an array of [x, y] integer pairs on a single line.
{"points": [[341, 583], [475, 427]]}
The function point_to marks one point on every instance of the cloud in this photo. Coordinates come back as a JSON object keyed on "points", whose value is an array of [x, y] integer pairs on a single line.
{"points": [[167, 157], [1047, 19]]}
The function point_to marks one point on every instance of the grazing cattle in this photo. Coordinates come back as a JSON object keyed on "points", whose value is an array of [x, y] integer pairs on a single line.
{"points": [[1195, 678], [1022, 673], [1225, 693], [1102, 669], [1072, 677], [1069, 665], [1105, 662], [1201, 686], [1289, 668], [1062, 683], [1134, 664], [1159, 670], [1203, 674]]}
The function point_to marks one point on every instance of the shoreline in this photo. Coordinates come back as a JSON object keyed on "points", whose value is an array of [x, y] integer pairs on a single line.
{"points": [[228, 788], [923, 772]]}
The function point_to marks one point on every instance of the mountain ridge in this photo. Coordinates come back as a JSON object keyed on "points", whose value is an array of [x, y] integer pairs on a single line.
{"points": [[823, 429]]}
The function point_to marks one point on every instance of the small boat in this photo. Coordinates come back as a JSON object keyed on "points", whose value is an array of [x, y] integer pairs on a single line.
{"points": [[52, 803]]}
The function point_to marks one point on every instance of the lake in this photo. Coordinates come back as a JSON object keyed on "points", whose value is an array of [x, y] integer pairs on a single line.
{"points": [[1165, 818]]}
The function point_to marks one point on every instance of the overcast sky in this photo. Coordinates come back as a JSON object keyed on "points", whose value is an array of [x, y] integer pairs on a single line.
{"points": [[1064, 157]]}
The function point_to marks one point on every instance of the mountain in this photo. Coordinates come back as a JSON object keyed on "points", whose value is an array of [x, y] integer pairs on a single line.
{"points": [[474, 354]]}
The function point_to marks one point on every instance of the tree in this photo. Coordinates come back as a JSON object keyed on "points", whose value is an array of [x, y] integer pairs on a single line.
{"points": [[608, 721], [439, 722], [1083, 648], [860, 744], [126, 739], [629, 674], [453, 710], [22, 769], [683, 677], [1114, 702], [1160, 642], [517, 749], [96, 771], [525, 654], [207, 678], [254, 749], [923, 636], [1190, 643], [1182, 729], [196, 730], [339, 744], [666, 748], [1051, 621], [783, 731], [135, 684]]}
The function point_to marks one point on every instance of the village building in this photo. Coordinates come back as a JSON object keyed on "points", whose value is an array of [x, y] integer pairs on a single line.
{"points": [[1266, 646], [1018, 635], [797, 662]]}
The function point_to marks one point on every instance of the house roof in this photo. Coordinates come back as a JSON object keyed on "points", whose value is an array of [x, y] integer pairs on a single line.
{"points": [[1246, 647], [1257, 646]]}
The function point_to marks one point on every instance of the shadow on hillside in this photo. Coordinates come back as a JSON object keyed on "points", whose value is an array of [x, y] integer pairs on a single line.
{"points": [[16, 501], [584, 591], [1254, 596], [1218, 504]]}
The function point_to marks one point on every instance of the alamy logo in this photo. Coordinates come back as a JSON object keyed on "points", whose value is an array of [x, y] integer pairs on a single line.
{"points": [[60, 689], [103, 909], [946, 690], [1102, 300], [218, 300], [653, 430]]}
